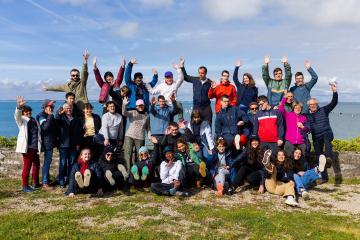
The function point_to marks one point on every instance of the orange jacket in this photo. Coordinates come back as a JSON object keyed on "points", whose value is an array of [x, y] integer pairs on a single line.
{"points": [[223, 89]]}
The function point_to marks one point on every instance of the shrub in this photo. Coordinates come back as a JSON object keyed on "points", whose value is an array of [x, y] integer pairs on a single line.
{"points": [[7, 141]]}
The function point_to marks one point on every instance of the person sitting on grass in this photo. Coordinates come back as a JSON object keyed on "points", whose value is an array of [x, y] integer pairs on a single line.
{"points": [[273, 184], [28, 143], [194, 168], [86, 176], [142, 172], [115, 174], [170, 176], [304, 176], [224, 174]]}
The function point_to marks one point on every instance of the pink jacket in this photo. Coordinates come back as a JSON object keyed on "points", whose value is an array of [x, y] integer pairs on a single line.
{"points": [[294, 134], [105, 86]]}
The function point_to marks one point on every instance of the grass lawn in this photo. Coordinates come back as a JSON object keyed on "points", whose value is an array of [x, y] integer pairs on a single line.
{"points": [[51, 215]]}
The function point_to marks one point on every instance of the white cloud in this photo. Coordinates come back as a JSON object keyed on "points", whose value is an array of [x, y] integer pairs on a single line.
{"points": [[226, 10], [126, 29], [155, 3]]}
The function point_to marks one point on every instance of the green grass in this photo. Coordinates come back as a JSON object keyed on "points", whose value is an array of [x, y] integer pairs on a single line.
{"points": [[7, 141]]}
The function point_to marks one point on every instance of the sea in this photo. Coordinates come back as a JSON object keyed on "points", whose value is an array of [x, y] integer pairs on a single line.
{"points": [[344, 119]]}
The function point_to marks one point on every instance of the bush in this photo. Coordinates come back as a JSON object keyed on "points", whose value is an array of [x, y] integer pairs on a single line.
{"points": [[347, 145], [7, 141]]}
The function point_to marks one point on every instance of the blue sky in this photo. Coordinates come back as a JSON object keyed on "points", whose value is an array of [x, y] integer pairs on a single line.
{"points": [[42, 40]]}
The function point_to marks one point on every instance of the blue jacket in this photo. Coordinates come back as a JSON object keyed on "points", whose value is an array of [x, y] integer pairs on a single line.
{"points": [[227, 119], [319, 120], [200, 91], [302, 93], [68, 130], [162, 118], [48, 130], [133, 88], [245, 94]]}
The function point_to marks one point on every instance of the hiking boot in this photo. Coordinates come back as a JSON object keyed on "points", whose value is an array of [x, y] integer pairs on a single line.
{"points": [[27, 189], [322, 163], [202, 169], [290, 200], [237, 141], [109, 177], [182, 194], [135, 172], [79, 179], [87, 177], [266, 158], [144, 173], [123, 171], [230, 191], [305, 195]]}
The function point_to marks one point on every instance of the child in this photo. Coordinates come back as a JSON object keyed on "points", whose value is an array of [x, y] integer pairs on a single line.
{"points": [[142, 172], [86, 176], [115, 174], [28, 144], [193, 167]]}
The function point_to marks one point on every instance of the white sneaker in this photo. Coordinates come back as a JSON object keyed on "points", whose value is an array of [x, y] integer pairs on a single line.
{"points": [[237, 141], [266, 158], [290, 200], [322, 163], [305, 195], [109, 177], [87, 176], [79, 180], [123, 171]]}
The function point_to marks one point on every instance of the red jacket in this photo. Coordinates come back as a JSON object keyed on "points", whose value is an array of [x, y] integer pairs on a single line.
{"points": [[105, 86], [223, 89]]}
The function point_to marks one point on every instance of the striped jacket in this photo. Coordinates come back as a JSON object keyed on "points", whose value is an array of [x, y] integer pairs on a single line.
{"points": [[269, 125]]}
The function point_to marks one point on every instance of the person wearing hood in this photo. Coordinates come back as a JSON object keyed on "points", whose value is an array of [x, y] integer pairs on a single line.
{"points": [[48, 128], [109, 81], [76, 84], [224, 88], [28, 143], [143, 172], [86, 176], [168, 88], [115, 173], [247, 92], [139, 127], [137, 86]]}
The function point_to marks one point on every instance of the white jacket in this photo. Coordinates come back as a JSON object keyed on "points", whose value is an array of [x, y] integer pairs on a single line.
{"points": [[205, 131], [165, 89], [22, 139], [170, 173]]}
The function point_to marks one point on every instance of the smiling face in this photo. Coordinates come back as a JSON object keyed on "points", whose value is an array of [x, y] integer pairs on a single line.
{"points": [[27, 114], [111, 108], [221, 148], [68, 110], [313, 105], [88, 111], [144, 156], [278, 75], [253, 109], [280, 156], [202, 73], [254, 143], [225, 77], [246, 80], [109, 79], [225, 102], [85, 155], [299, 80], [162, 102], [169, 156], [297, 154], [174, 130], [264, 105], [169, 80], [181, 147], [109, 156], [297, 109], [75, 76]]}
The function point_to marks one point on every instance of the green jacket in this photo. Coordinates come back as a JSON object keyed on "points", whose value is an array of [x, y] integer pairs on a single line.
{"points": [[78, 88], [276, 88], [192, 154]]}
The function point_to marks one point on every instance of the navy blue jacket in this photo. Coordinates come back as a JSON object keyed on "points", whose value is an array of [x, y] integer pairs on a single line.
{"points": [[245, 94], [48, 130], [319, 120], [68, 130], [200, 91], [227, 119]]}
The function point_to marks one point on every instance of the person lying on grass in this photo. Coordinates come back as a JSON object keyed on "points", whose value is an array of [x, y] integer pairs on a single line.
{"points": [[142, 172]]}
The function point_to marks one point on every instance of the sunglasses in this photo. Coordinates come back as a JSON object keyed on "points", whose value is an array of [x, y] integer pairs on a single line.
{"points": [[144, 154], [75, 75], [253, 108], [109, 154]]}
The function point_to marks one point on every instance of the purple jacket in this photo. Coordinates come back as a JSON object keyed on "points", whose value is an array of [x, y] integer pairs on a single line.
{"points": [[294, 134]]}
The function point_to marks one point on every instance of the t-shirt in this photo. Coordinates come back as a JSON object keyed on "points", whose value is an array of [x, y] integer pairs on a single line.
{"points": [[89, 126]]}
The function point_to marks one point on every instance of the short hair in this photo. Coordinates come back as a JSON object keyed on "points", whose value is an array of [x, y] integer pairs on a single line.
{"points": [[88, 106], [195, 113], [296, 103], [174, 124], [253, 103], [108, 74], [312, 99], [161, 97], [203, 67], [125, 89], [180, 140], [225, 71], [290, 92], [138, 75], [299, 74], [67, 105], [69, 94], [263, 98], [220, 141], [109, 102], [251, 79], [277, 70], [224, 96], [74, 70], [26, 108]]}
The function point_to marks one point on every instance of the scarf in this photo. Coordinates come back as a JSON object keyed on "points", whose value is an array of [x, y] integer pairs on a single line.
{"points": [[83, 165]]}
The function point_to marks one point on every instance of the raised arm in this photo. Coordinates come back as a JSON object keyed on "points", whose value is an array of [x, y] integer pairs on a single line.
{"points": [[128, 71], [187, 78], [265, 71], [334, 101], [288, 74], [84, 70], [124, 111], [235, 75], [180, 79], [57, 88], [282, 105], [98, 77], [120, 75], [212, 90], [18, 111], [155, 78], [314, 76]]}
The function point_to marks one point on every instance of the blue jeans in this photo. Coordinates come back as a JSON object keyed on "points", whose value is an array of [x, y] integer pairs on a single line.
{"points": [[66, 161], [48, 154], [304, 181]]}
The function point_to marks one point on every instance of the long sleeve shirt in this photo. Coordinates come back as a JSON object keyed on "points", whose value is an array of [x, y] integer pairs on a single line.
{"points": [[111, 126], [169, 173]]}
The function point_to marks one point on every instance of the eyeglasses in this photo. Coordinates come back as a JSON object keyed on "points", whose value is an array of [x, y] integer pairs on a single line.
{"points": [[254, 108], [144, 154], [75, 75], [109, 154]]}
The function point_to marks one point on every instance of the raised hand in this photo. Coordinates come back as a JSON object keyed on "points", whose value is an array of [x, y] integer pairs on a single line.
{"points": [[126, 101], [213, 84], [20, 101], [133, 61], [240, 123], [280, 142], [182, 125], [181, 62], [173, 97], [238, 63], [86, 55], [94, 62], [284, 59], [334, 87], [153, 101], [307, 64], [267, 60], [122, 61], [60, 110], [175, 66], [154, 71], [153, 140]]}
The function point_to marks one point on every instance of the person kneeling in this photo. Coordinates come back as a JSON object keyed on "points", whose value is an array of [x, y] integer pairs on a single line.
{"points": [[142, 172], [86, 176], [169, 174]]}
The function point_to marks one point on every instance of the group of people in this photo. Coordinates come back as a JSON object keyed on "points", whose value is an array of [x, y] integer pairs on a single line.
{"points": [[258, 141]]}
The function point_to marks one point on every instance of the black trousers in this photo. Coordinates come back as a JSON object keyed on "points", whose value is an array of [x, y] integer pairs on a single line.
{"points": [[119, 181], [161, 188], [206, 113], [249, 174]]}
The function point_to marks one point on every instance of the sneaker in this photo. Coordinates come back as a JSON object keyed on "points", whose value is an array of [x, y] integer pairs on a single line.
{"points": [[36, 186], [172, 191], [237, 141], [305, 195], [230, 191], [144, 173], [328, 162], [322, 163], [290, 200], [123, 171], [27, 189], [135, 172], [202, 169], [266, 158], [109, 177], [219, 190], [182, 194], [87, 177], [79, 179]]}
